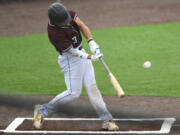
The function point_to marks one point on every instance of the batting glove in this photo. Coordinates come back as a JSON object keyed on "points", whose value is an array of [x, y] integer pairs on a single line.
{"points": [[94, 47], [96, 57]]}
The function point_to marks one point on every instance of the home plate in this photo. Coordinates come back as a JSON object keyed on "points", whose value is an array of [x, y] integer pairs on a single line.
{"points": [[91, 126]]}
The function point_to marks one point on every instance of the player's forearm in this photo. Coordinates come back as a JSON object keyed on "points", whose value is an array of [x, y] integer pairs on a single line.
{"points": [[79, 53], [82, 54], [84, 28], [86, 32]]}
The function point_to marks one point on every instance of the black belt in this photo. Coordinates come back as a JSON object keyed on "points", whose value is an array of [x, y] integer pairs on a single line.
{"points": [[79, 47]]}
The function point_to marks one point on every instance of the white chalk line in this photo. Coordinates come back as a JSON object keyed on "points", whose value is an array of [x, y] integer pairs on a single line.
{"points": [[167, 124], [88, 132], [92, 119], [12, 127], [165, 128]]}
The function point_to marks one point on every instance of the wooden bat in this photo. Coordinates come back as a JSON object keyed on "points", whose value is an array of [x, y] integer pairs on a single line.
{"points": [[113, 80]]}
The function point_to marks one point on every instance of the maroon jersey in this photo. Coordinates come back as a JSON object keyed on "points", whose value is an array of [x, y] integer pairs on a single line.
{"points": [[65, 37]]}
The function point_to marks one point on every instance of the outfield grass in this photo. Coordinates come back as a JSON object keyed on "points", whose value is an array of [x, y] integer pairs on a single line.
{"points": [[28, 64]]}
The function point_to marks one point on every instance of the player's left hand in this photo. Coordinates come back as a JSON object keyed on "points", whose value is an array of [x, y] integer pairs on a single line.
{"points": [[97, 51], [96, 57]]}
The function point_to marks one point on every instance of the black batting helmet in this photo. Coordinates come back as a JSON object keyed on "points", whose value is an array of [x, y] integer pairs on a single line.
{"points": [[58, 14]]}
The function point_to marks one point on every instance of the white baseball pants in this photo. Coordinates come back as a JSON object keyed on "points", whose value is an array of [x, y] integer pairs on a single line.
{"points": [[77, 72]]}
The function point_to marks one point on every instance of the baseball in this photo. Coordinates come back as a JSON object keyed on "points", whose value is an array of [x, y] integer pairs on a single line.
{"points": [[147, 64]]}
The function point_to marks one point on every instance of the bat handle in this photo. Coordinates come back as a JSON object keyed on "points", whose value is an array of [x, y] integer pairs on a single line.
{"points": [[105, 66]]}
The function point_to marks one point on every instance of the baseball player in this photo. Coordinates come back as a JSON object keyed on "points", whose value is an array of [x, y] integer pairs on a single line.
{"points": [[64, 33]]}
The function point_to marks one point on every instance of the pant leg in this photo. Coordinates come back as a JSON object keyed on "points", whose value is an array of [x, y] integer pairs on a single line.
{"points": [[73, 69], [94, 94]]}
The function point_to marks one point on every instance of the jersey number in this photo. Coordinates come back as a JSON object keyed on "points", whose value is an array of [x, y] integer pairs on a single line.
{"points": [[74, 39]]}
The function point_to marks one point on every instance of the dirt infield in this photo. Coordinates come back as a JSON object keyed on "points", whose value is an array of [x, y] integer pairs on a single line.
{"points": [[127, 108], [95, 125], [22, 17]]}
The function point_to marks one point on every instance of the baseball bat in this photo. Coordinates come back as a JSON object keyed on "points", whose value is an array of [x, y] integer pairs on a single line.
{"points": [[113, 80]]}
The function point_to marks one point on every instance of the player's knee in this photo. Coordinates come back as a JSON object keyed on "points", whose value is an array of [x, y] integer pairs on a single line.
{"points": [[75, 95]]}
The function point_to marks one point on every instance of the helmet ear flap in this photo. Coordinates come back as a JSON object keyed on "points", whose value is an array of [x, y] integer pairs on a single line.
{"points": [[58, 15]]}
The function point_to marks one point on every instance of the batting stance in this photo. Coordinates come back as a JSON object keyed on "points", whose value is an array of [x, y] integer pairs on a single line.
{"points": [[64, 33]]}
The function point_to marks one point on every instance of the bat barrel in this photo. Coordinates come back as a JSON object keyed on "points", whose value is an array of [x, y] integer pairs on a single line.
{"points": [[114, 82]]}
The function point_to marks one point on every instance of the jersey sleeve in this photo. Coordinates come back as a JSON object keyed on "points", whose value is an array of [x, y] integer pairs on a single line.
{"points": [[73, 14]]}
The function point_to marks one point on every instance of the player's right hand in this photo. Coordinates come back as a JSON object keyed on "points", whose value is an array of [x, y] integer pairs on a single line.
{"points": [[96, 57]]}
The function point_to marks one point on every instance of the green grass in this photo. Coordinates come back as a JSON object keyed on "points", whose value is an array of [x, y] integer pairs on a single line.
{"points": [[28, 64]]}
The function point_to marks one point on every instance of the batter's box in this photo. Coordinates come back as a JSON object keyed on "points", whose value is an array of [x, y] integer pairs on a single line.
{"points": [[91, 126]]}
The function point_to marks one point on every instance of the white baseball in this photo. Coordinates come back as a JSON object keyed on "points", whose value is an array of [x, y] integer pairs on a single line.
{"points": [[147, 64]]}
